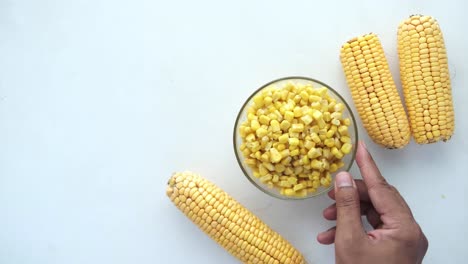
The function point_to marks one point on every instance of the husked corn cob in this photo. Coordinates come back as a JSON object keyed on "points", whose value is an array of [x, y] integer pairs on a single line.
{"points": [[226, 221], [425, 78], [374, 92]]}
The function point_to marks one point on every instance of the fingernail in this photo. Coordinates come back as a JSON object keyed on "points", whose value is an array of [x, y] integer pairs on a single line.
{"points": [[343, 179]]}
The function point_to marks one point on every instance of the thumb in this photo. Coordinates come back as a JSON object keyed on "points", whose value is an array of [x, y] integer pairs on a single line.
{"points": [[348, 223]]}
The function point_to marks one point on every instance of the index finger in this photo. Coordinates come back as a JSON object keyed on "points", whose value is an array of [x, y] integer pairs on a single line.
{"points": [[385, 198]]}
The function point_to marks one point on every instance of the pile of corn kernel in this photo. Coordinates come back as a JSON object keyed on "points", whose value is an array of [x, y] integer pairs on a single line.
{"points": [[294, 137]]}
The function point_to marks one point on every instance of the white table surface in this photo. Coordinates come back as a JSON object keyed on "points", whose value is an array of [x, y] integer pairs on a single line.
{"points": [[100, 101]]}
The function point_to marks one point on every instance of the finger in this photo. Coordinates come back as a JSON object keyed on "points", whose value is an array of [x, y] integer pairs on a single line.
{"points": [[373, 218], [384, 197], [348, 222], [362, 189], [327, 237], [367, 209], [330, 213]]}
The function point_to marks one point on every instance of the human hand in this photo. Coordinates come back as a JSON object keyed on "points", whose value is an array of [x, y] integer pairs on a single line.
{"points": [[396, 238]]}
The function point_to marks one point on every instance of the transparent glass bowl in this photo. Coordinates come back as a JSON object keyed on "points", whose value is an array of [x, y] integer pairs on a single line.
{"points": [[242, 116]]}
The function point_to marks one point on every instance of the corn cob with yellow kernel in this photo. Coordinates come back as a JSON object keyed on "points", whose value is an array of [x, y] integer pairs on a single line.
{"points": [[229, 223], [374, 92], [425, 78]]}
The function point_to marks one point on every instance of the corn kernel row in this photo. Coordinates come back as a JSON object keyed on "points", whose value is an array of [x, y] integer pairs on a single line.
{"points": [[294, 138]]}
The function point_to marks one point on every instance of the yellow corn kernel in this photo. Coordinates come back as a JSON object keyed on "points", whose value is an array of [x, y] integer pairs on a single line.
{"points": [[275, 155], [293, 141], [329, 142], [289, 116], [345, 139], [325, 182], [343, 130], [262, 170], [289, 192], [275, 178], [333, 167], [250, 161], [292, 180], [317, 115], [346, 148], [307, 119], [315, 175], [275, 125], [283, 138], [316, 164], [285, 125], [297, 111], [337, 153], [316, 184], [315, 138], [261, 132], [266, 178], [250, 137], [254, 124], [297, 127], [294, 152], [314, 153], [298, 187], [309, 144], [285, 184], [279, 168]]}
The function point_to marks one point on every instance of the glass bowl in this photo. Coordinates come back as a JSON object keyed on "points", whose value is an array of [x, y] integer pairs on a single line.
{"points": [[242, 116]]}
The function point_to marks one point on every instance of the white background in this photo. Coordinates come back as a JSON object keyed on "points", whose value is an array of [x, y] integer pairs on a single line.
{"points": [[100, 101]]}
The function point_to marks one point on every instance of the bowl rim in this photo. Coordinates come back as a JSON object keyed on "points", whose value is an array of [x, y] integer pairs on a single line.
{"points": [[237, 123]]}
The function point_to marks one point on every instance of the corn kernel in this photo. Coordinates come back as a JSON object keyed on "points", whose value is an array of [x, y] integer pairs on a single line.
{"points": [[316, 164], [292, 180], [250, 138], [329, 142], [283, 138], [294, 152], [289, 192], [297, 127], [285, 125], [293, 141], [307, 119], [346, 148], [266, 178], [298, 187], [254, 124], [275, 156], [289, 116], [343, 130]]}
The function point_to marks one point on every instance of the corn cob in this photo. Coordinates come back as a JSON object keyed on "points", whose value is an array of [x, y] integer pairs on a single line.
{"points": [[425, 78], [374, 92], [226, 221]]}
